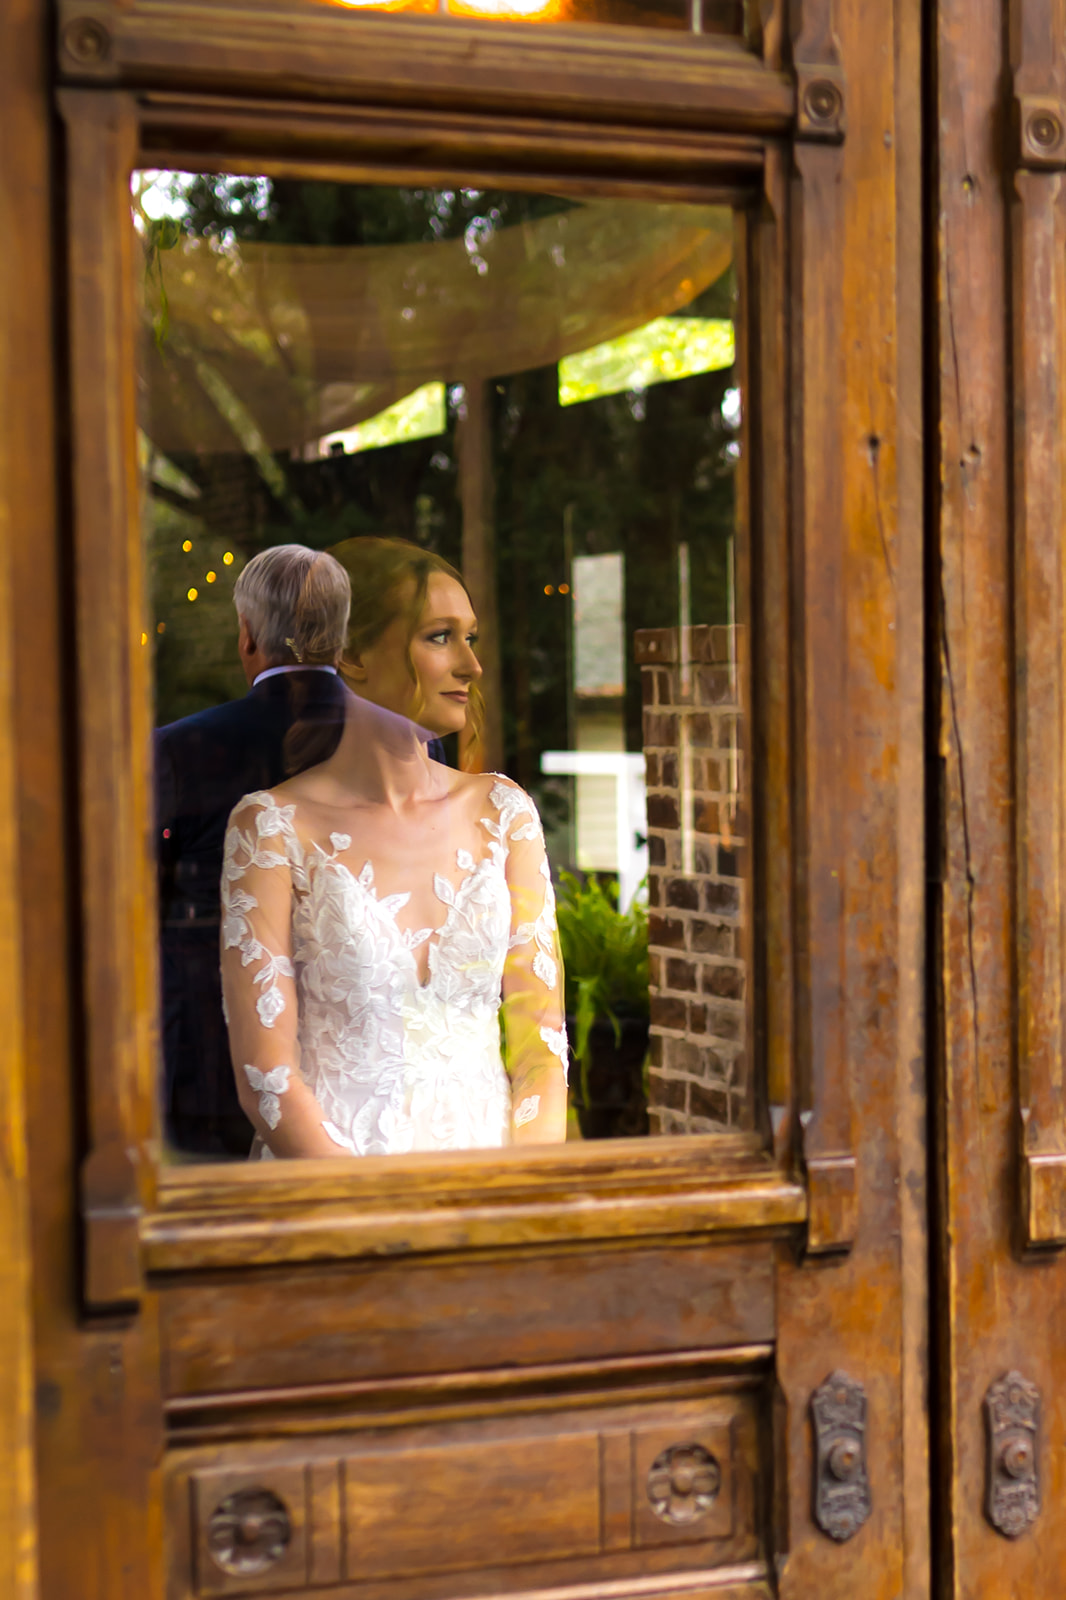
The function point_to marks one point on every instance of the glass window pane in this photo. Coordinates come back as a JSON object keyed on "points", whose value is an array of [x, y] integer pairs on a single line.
{"points": [[544, 393]]}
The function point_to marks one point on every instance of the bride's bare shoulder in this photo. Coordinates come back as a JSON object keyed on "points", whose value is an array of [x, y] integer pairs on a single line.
{"points": [[479, 786]]}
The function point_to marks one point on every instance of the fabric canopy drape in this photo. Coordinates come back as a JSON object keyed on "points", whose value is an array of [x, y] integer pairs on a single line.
{"points": [[277, 345]]}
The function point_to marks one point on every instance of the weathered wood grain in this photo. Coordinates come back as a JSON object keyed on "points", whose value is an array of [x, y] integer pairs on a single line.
{"points": [[395, 1318], [538, 1492], [1000, 313], [306, 50], [864, 1312], [24, 511], [413, 145], [274, 1285]]}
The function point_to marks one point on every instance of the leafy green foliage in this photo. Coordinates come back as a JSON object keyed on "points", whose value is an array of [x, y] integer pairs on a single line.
{"points": [[605, 956]]}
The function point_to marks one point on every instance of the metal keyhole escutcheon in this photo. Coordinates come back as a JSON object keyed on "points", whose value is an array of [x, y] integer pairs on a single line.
{"points": [[1012, 1415], [841, 1486]]}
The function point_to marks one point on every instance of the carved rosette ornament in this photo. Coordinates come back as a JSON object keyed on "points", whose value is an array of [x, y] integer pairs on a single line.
{"points": [[841, 1486], [87, 41], [683, 1483], [1041, 132], [248, 1532], [1012, 1412]]}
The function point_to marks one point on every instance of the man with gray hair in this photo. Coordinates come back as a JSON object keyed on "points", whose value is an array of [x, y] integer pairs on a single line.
{"points": [[292, 608]]}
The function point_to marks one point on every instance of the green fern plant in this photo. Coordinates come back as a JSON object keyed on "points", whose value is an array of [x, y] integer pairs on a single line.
{"points": [[605, 957]]}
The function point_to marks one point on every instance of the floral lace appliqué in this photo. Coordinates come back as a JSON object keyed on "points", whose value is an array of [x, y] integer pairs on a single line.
{"points": [[243, 850], [511, 802], [397, 1060], [269, 1085], [527, 1110]]}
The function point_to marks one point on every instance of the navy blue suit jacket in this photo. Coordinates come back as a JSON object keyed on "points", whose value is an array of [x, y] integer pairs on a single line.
{"points": [[203, 765]]}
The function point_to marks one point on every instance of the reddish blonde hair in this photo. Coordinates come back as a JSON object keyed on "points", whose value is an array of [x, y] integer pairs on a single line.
{"points": [[390, 579]]}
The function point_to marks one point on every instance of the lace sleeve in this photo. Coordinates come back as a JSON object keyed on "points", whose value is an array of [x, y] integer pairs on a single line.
{"points": [[258, 981], [534, 1022]]}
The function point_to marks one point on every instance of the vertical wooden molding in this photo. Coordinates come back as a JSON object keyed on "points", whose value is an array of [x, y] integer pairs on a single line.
{"points": [[1038, 306], [25, 157], [820, 87], [767, 22], [766, 447], [113, 694], [820, 648]]}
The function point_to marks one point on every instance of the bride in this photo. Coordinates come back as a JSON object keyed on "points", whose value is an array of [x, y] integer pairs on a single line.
{"points": [[379, 908]]}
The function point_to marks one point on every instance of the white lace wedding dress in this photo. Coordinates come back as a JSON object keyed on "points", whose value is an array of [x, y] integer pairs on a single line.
{"points": [[328, 1015]]}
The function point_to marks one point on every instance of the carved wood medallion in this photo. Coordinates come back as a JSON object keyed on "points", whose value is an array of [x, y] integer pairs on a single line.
{"points": [[249, 1532], [683, 1483]]}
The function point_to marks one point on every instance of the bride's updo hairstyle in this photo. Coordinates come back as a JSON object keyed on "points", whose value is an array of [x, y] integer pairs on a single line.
{"points": [[390, 579]]}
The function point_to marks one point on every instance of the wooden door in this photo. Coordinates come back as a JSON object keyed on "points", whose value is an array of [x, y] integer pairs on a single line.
{"points": [[689, 1364], [998, 520]]}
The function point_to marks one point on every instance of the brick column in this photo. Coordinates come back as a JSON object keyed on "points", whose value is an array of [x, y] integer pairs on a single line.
{"points": [[699, 1067]]}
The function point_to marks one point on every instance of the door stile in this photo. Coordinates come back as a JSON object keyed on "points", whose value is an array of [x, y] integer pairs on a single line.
{"points": [[817, 372], [913, 844], [862, 1312], [1038, 267], [93, 1387], [25, 507], [112, 677], [1000, 307]]}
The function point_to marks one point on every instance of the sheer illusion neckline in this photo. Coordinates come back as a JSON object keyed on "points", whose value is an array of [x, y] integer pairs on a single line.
{"points": [[450, 895]]}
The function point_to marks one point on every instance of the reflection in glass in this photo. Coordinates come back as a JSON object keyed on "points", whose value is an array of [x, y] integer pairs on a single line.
{"points": [[542, 394]]}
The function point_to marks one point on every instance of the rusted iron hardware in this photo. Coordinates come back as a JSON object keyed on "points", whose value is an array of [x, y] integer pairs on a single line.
{"points": [[1012, 1412], [841, 1486]]}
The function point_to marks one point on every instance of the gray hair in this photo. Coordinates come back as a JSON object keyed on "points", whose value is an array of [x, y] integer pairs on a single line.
{"points": [[295, 603]]}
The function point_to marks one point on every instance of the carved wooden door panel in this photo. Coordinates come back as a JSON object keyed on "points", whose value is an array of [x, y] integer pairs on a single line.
{"points": [[1001, 308], [690, 1362]]}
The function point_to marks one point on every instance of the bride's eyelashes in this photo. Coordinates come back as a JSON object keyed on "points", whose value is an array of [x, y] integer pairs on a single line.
{"points": [[444, 636]]}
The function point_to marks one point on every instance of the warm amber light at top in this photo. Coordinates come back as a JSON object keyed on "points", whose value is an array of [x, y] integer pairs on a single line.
{"points": [[387, 5], [227, 559], [515, 10]]}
